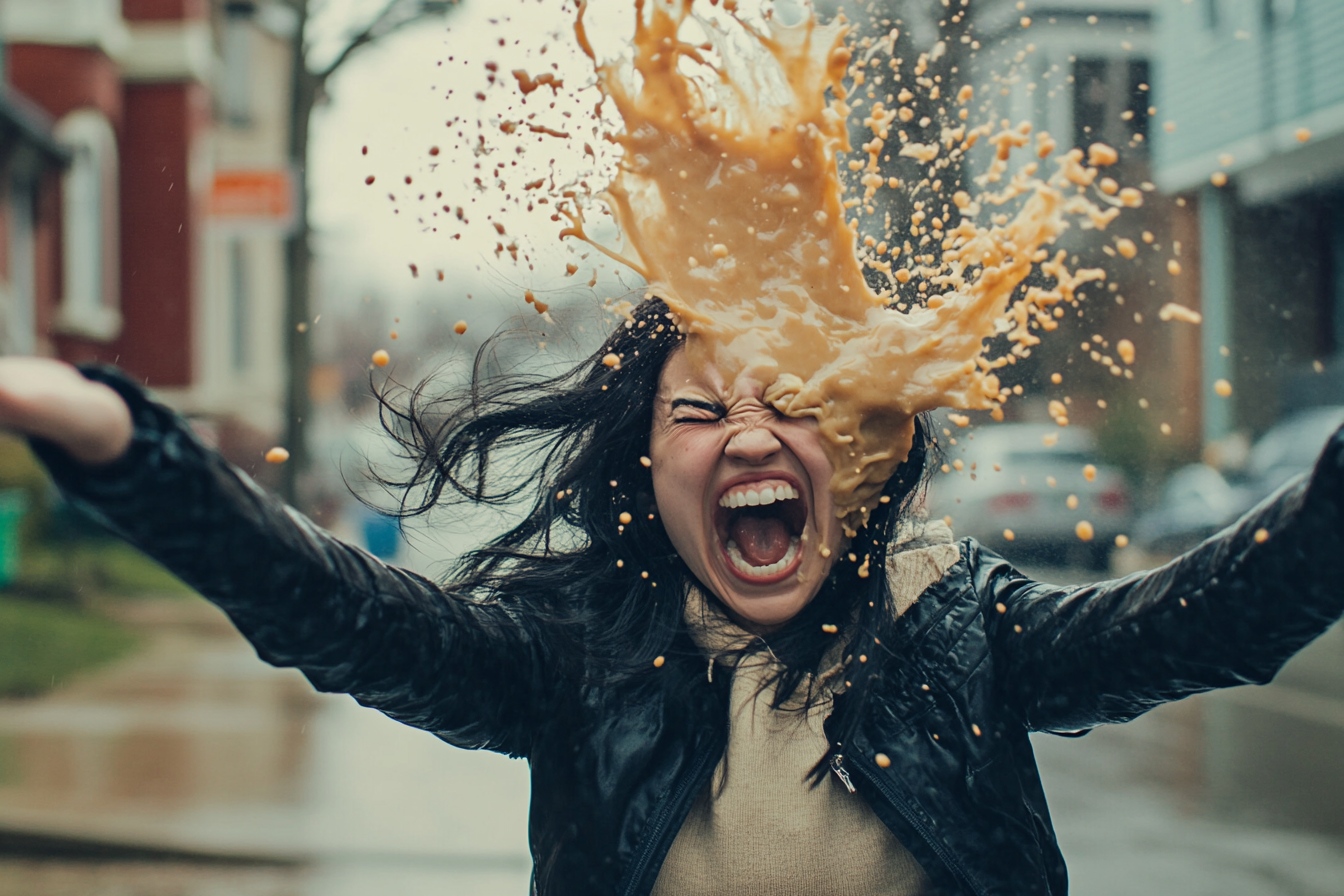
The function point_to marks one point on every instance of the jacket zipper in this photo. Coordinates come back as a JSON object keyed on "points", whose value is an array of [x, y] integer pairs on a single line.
{"points": [[911, 818], [686, 786], [838, 766]]}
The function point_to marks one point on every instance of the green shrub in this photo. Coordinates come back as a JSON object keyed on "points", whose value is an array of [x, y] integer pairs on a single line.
{"points": [[64, 557], [66, 571]]}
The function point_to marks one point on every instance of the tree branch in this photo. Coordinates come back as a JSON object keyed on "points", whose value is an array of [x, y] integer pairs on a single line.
{"points": [[385, 23]]}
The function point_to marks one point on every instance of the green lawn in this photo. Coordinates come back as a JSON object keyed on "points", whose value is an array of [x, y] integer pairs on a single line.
{"points": [[43, 645], [106, 567]]}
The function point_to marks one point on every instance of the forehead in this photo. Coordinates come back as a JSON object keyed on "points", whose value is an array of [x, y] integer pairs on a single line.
{"points": [[681, 376]]}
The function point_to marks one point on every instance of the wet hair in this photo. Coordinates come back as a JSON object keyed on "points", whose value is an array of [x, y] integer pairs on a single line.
{"points": [[570, 450]]}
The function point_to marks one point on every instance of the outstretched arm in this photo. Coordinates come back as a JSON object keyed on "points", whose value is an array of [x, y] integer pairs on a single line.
{"points": [[49, 399], [1232, 611], [473, 673]]}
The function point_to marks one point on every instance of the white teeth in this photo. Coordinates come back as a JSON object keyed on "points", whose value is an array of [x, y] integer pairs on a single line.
{"points": [[735, 554], [754, 498]]}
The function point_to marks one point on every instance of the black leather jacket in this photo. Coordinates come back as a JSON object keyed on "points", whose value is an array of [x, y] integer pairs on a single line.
{"points": [[985, 656]]}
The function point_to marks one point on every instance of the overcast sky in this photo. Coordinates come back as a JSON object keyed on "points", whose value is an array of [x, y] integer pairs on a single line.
{"points": [[395, 99]]}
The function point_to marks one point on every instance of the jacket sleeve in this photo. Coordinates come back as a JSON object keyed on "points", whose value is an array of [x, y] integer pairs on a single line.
{"points": [[471, 672], [1231, 611]]}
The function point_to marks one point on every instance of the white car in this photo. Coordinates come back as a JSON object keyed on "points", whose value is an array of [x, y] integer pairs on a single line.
{"points": [[1024, 489]]}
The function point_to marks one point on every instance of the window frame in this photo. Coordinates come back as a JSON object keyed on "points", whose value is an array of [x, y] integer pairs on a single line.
{"points": [[90, 302]]}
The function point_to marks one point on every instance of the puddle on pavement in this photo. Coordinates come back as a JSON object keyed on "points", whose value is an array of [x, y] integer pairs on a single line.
{"points": [[195, 720], [196, 748]]}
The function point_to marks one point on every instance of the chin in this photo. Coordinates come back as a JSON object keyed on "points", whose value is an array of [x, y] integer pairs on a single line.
{"points": [[767, 618], [765, 606]]}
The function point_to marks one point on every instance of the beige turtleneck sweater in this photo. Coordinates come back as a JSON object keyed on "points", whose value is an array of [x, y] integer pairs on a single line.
{"points": [[759, 828]]}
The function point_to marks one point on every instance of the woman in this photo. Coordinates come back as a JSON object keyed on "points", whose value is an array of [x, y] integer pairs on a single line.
{"points": [[715, 692]]}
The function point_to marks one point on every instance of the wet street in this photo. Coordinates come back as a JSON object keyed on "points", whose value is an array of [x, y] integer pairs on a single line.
{"points": [[1127, 828], [200, 770], [193, 769]]}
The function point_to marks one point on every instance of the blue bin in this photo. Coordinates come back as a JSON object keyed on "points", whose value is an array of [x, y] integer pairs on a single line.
{"points": [[382, 536]]}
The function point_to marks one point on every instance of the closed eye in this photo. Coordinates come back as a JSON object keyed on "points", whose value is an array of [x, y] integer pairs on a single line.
{"points": [[693, 411]]}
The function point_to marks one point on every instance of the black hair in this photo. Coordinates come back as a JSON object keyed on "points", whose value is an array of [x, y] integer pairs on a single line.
{"points": [[572, 449]]}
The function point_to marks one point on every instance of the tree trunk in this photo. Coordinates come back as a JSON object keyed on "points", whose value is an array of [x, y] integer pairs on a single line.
{"points": [[298, 275]]}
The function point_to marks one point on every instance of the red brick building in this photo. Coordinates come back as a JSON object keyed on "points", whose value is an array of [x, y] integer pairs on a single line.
{"points": [[31, 164], [138, 110]]}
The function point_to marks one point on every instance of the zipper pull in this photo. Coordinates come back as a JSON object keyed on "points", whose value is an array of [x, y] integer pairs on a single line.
{"points": [[838, 766]]}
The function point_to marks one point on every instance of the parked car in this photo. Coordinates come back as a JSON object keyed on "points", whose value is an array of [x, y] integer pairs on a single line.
{"points": [[1199, 500], [1015, 486], [1196, 502]]}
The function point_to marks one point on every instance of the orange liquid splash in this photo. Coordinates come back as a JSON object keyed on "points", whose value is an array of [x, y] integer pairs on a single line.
{"points": [[731, 205]]}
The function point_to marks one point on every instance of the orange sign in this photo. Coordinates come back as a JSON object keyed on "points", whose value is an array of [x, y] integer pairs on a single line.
{"points": [[255, 195]]}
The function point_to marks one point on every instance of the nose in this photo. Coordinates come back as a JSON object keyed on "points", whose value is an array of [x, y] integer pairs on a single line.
{"points": [[753, 444]]}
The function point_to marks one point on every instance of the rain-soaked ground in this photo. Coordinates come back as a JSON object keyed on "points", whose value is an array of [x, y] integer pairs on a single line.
{"points": [[196, 770]]}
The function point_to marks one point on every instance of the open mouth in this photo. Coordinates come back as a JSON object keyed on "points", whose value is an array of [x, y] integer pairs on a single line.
{"points": [[760, 526]]}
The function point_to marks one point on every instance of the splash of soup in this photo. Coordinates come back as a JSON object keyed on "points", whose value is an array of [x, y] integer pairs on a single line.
{"points": [[732, 207]]}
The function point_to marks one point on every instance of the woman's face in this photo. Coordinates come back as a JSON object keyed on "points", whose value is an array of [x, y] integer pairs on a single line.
{"points": [[743, 492]]}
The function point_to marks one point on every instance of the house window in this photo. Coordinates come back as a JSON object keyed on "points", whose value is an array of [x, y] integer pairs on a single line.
{"points": [[20, 322], [1110, 102], [1139, 97], [90, 300], [1278, 12], [1213, 15], [235, 84], [1090, 96]]}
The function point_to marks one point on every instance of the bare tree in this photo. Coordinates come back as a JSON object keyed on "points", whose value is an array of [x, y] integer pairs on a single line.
{"points": [[308, 87]]}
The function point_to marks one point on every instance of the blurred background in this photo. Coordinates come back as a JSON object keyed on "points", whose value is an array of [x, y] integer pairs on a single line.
{"points": [[237, 203]]}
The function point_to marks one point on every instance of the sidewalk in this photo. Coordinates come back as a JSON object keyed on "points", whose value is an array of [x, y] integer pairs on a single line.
{"points": [[196, 749]]}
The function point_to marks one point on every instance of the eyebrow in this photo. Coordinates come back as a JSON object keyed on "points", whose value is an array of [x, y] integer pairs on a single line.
{"points": [[702, 405]]}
